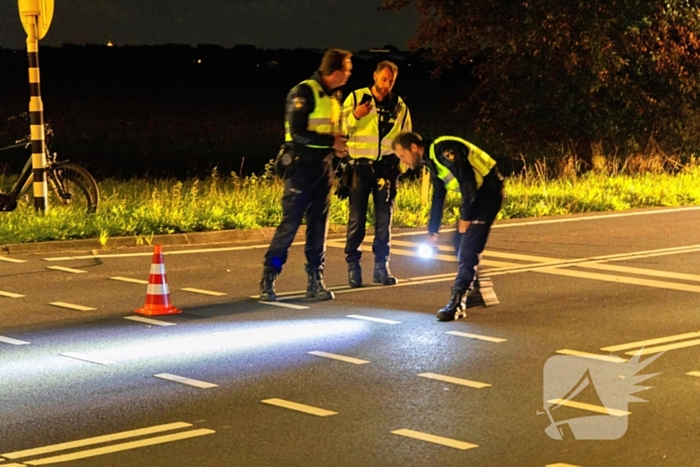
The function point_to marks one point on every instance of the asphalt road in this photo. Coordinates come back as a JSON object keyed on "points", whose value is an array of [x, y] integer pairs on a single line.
{"points": [[371, 378]]}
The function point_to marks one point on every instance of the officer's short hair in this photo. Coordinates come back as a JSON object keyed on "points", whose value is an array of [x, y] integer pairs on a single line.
{"points": [[406, 139], [334, 60], [387, 64]]}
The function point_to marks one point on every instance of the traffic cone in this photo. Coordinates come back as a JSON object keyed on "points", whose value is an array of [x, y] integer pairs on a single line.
{"points": [[157, 294]]}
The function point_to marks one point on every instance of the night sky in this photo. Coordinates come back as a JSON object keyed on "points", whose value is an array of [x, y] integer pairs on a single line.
{"points": [[288, 24]]}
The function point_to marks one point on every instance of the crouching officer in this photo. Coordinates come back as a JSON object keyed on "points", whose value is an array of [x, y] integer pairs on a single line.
{"points": [[456, 164], [312, 136], [372, 118]]}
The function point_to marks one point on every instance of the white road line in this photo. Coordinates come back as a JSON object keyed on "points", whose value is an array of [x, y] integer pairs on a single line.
{"points": [[129, 279], [166, 253], [10, 294], [561, 464], [299, 407], [342, 358], [621, 279], [9, 340], [590, 407], [71, 270], [660, 340], [460, 381], [285, 305], [376, 320], [188, 381], [453, 443], [122, 447], [693, 373], [12, 260], [204, 292], [663, 348], [605, 358], [640, 271], [476, 336], [86, 358], [71, 306], [595, 217], [96, 440], [154, 322]]}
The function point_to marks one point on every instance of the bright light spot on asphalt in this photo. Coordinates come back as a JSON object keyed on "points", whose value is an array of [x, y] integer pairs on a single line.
{"points": [[252, 336], [425, 251]]}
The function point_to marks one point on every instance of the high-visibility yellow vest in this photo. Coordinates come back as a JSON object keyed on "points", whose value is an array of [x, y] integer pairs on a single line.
{"points": [[325, 117], [481, 163], [363, 139]]}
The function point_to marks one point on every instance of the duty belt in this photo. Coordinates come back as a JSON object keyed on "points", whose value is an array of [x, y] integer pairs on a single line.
{"points": [[362, 161]]}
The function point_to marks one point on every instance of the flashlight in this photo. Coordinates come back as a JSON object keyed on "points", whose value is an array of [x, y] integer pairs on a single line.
{"points": [[425, 251]]}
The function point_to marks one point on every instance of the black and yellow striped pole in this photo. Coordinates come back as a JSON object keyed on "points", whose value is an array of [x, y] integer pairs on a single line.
{"points": [[36, 18]]}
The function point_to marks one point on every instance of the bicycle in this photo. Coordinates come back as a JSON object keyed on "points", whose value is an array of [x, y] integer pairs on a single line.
{"points": [[70, 185]]}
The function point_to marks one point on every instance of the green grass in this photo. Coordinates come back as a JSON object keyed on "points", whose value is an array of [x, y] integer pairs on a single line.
{"points": [[144, 208]]}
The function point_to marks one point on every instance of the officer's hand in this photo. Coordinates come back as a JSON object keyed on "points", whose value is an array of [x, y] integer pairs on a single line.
{"points": [[463, 226], [340, 145], [432, 239], [363, 110]]}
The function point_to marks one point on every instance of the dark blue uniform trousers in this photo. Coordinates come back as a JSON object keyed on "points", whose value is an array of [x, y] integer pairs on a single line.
{"points": [[364, 183], [306, 192], [471, 244]]}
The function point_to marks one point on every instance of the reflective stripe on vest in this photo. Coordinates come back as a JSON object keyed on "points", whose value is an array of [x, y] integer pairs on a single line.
{"points": [[481, 163], [325, 117], [364, 141]]}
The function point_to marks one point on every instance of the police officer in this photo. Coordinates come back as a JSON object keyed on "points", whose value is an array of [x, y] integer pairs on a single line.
{"points": [[456, 164], [312, 136], [372, 118]]}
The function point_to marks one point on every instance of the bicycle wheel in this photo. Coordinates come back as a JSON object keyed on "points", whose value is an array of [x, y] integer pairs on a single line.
{"points": [[71, 186]]}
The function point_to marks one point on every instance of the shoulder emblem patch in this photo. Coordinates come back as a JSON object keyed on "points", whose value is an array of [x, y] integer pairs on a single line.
{"points": [[449, 155], [299, 102]]}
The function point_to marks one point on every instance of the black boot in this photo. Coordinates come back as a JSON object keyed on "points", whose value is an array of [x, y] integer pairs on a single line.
{"points": [[354, 274], [456, 308], [382, 274], [267, 285], [315, 288]]}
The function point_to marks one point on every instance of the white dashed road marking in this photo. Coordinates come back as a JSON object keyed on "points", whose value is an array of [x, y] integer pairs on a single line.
{"points": [[460, 381], [693, 373], [376, 320], [590, 407], [594, 356], [129, 279], [204, 292], [87, 358], [476, 336], [341, 358], [187, 381], [12, 260], [10, 294], [72, 306], [285, 305], [9, 340], [154, 322], [71, 270], [299, 407], [453, 443]]}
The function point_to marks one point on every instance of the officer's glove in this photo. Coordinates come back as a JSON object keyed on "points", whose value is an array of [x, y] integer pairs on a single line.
{"points": [[342, 191]]}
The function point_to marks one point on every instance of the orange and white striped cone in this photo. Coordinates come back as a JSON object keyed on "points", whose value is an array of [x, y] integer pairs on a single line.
{"points": [[157, 294]]}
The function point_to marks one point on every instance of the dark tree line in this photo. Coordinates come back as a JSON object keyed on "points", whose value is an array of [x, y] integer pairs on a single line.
{"points": [[566, 74]]}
